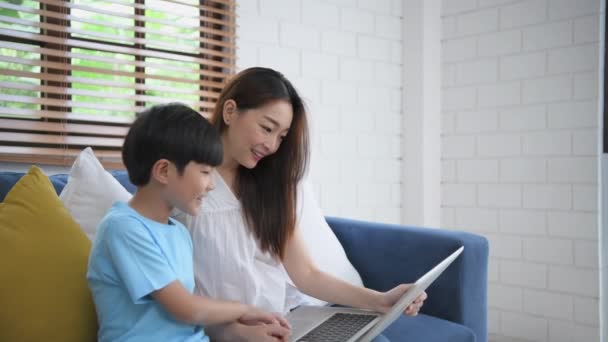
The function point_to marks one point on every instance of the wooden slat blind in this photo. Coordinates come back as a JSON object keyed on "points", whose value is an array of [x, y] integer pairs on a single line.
{"points": [[73, 73]]}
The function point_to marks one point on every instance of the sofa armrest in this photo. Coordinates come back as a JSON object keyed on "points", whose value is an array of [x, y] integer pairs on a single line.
{"points": [[387, 255]]}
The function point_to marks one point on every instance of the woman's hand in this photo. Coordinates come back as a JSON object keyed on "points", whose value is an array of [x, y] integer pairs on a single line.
{"points": [[257, 317], [389, 298]]}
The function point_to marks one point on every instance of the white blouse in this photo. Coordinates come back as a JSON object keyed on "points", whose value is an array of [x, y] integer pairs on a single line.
{"points": [[228, 263]]}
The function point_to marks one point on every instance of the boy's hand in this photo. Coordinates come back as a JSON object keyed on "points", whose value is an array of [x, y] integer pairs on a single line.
{"points": [[256, 317]]}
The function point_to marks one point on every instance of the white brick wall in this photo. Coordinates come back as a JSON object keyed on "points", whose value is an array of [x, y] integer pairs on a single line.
{"points": [[519, 158], [345, 58]]}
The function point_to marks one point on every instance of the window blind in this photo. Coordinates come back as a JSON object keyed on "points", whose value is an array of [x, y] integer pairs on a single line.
{"points": [[75, 73]]}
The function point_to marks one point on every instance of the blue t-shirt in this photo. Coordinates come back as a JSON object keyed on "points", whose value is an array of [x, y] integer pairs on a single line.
{"points": [[132, 257]]}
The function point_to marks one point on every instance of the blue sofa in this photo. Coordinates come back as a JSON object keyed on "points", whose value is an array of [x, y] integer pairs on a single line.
{"points": [[387, 255]]}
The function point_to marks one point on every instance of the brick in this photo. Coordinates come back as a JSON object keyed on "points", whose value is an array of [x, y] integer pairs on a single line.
{"points": [[505, 246], [546, 196], [500, 43], [586, 310], [373, 98], [447, 218], [357, 121], [247, 55], [492, 3], [374, 48], [258, 29], [344, 194], [552, 251], [397, 52], [281, 9], [561, 9], [500, 94], [526, 327], [522, 222], [246, 7], [448, 74], [448, 26], [573, 59], [493, 269], [526, 274], [565, 331], [457, 146], [388, 27], [448, 123], [585, 143], [397, 7], [388, 215], [319, 66], [573, 170], [450, 7], [547, 304], [581, 114], [476, 219], [477, 171], [576, 225], [493, 322], [380, 6], [356, 169], [388, 74], [523, 118], [479, 71], [548, 89], [547, 143], [396, 100], [476, 121], [326, 169], [356, 20], [458, 98], [523, 13], [548, 36], [499, 145], [319, 14], [458, 195], [586, 86], [340, 43], [522, 66], [454, 50], [299, 36], [337, 92], [373, 195], [286, 60], [586, 254], [523, 170], [338, 144], [574, 280], [448, 171], [483, 21], [499, 195], [390, 123], [585, 197], [505, 297], [586, 29], [356, 70], [310, 91]]}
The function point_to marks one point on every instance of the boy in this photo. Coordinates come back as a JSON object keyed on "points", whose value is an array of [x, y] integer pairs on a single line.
{"points": [[140, 268]]}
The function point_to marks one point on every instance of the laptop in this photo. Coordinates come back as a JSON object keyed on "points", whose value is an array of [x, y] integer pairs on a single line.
{"points": [[324, 324]]}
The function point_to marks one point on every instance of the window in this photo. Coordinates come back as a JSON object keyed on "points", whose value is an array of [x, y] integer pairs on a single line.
{"points": [[74, 73]]}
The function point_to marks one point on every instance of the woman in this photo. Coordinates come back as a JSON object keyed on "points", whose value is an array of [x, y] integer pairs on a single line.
{"points": [[247, 246]]}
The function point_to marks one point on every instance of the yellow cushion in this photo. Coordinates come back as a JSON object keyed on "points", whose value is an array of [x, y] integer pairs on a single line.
{"points": [[43, 262]]}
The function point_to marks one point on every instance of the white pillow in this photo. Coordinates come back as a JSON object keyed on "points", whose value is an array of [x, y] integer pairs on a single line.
{"points": [[90, 192], [322, 243]]}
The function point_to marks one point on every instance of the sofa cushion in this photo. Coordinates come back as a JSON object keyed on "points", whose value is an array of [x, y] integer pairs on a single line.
{"points": [[428, 329], [90, 192], [43, 258]]}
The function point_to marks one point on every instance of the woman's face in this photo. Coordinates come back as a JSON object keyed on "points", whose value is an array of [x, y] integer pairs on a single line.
{"points": [[254, 134]]}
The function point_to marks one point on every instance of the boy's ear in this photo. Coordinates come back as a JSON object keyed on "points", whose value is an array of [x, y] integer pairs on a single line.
{"points": [[229, 111], [160, 171]]}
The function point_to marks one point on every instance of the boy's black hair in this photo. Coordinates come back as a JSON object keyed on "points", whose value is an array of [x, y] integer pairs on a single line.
{"points": [[170, 131]]}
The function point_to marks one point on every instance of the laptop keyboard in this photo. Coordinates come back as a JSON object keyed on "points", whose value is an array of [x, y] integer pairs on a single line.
{"points": [[338, 328]]}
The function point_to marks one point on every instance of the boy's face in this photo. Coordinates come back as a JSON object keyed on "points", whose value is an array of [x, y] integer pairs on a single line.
{"points": [[186, 191]]}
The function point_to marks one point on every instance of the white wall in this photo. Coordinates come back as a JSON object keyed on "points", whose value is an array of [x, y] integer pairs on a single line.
{"points": [[520, 158], [344, 56]]}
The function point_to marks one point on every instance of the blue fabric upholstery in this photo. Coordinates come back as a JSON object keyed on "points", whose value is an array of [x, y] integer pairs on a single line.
{"points": [[387, 255]]}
